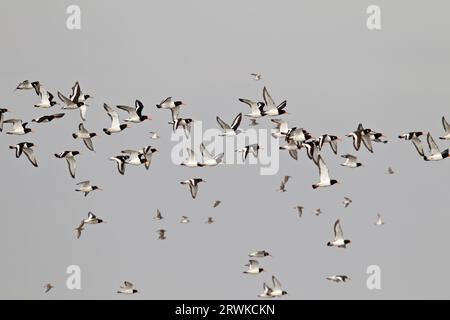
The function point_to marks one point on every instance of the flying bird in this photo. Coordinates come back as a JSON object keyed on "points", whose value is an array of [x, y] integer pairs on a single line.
{"points": [[338, 278], [27, 85], [86, 187], [351, 161], [210, 220], [299, 210], [27, 149], [281, 129], [256, 76], [168, 103], [158, 215], [435, 154], [259, 254], [161, 234], [339, 240], [48, 287], [127, 288], [361, 135], [272, 108], [317, 212], [92, 219], [275, 291], [2, 115], [48, 118], [325, 180], [19, 127], [379, 221], [85, 135], [208, 159], [135, 113], [193, 185], [47, 99], [332, 140], [250, 149], [184, 220], [292, 147], [446, 125], [70, 158], [347, 201], [283, 183], [191, 161], [154, 135], [233, 129], [390, 171], [120, 160], [115, 123], [414, 137], [216, 203], [79, 229], [253, 267], [256, 108]]}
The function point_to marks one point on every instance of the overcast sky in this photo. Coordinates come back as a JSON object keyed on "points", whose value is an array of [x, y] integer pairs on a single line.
{"points": [[334, 73]]}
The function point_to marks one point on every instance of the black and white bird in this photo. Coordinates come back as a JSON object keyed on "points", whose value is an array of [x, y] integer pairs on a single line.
{"points": [[414, 137], [158, 215], [184, 220], [135, 113], [347, 201], [208, 159], [48, 118], [70, 104], [332, 140], [256, 76], [281, 130], [86, 187], [378, 137], [193, 185], [379, 221], [120, 161], [134, 157], [28, 85], [256, 108], [259, 254], [168, 103], [272, 108], [338, 278], [253, 267], [70, 158], [216, 203], [154, 135], [161, 234], [361, 135], [92, 219], [283, 183], [299, 210], [324, 174], [317, 212], [351, 161], [275, 291], [446, 125], [435, 154], [48, 287], [2, 116], [78, 100], [47, 99], [18, 127], [298, 135], [127, 288], [27, 149], [146, 153], [210, 220], [85, 135], [233, 129], [77, 95], [191, 161], [115, 123], [312, 150], [250, 149], [339, 240]]}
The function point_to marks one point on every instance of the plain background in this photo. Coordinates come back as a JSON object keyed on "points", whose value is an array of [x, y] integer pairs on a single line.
{"points": [[318, 55]]}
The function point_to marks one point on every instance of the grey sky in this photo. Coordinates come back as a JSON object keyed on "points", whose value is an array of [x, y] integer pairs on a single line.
{"points": [[319, 56]]}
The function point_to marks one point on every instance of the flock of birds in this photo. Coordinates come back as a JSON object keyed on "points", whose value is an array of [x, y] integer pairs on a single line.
{"points": [[296, 139]]}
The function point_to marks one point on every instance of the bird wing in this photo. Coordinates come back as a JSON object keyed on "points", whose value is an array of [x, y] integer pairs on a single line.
{"points": [[131, 111], [367, 141], [91, 215], [323, 170], [175, 112], [236, 122], [334, 146], [418, 145], [30, 155], [276, 283], [434, 149], [223, 124], [84, 183], [205, 153], [71, 162], [113, 115], [193, 189], [338, 234], [82, 129], [139, 107], [83, 110], [17, 123], [88, 143], [63, 98], [446, 125], [76, 92], [268, 99]]}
